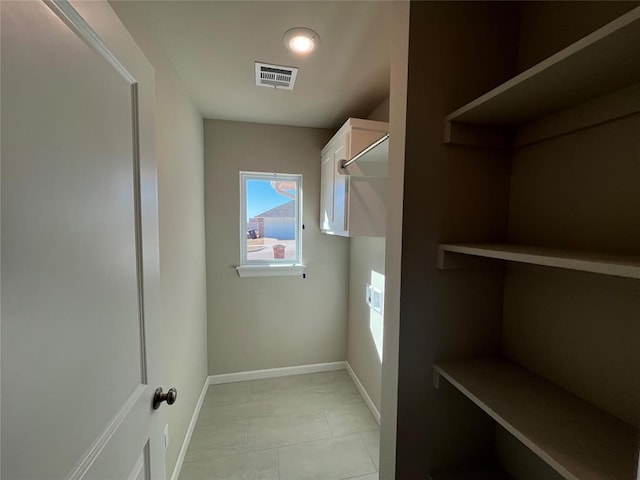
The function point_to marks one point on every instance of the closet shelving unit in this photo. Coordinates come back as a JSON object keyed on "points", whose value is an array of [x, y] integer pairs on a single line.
{"points": [[562, 429], [605, 264], [562, 94], [600, 64]]}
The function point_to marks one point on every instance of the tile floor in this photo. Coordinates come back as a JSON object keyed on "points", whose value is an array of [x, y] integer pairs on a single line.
{"points": [[301, 427]]}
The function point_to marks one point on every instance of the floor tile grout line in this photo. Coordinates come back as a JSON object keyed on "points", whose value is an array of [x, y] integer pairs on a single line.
{"points": [[243, 449], [326, 417], [366, 448], [286, 445], [359, 476], [347, 435], [246, 437], [337, 396], [317, 414], [219, 457], [316, 411], [306, 442]]}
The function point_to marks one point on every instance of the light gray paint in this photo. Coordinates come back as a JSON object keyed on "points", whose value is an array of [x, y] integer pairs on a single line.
{"points": [[521, 462], [181, 223], [578, 191], [393, 240], [214, 44], [258, 323], [381, 113], [450, 193], [366, 255], [577, 330], [182, 252], [562, 23], [585, 206]]}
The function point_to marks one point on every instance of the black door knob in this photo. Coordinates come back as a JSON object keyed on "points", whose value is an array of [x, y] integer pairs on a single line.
{"points": [[159, 397]]}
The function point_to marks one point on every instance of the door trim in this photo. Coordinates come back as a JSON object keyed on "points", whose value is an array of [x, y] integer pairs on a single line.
{"points": [[70, 16]]}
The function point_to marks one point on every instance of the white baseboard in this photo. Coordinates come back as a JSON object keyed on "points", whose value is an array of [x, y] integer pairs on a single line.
{"points": [[363, 392], [188, 435], [275, 372]]}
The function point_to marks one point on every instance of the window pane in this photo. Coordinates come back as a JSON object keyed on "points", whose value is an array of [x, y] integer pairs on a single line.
{"points": [[271, 220]]}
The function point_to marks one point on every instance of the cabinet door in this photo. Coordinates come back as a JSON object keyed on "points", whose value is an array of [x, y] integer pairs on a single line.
{"points": [[326, 192], [340, 192]]}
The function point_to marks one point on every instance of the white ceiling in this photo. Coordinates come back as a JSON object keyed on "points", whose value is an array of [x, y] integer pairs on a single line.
{"points": [[213, 45]]}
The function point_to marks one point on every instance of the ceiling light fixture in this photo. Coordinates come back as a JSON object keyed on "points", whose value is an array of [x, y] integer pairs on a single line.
{"points": [[301, 41]]}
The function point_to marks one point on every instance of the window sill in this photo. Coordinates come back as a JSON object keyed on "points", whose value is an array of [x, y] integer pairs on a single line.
{"points": [[270, 270]]}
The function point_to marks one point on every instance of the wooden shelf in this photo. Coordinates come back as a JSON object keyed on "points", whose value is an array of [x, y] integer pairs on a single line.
{"points": [[578, 440], [474, 473], [619, 266], [600, 63]]}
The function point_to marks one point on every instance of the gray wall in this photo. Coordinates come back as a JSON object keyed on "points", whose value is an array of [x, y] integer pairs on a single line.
{"points": [[393, 241], [575, 191], [578, 191], [179, 132], [450, 194], [182, 253], [259, 323], [366, 255], [547, 27]]}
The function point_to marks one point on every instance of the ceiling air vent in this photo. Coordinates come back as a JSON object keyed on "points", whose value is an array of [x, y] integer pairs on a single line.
{"points": [[275, 76]]}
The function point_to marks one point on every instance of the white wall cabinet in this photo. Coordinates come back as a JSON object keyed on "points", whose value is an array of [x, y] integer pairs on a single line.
{"points": [[352, 205]]}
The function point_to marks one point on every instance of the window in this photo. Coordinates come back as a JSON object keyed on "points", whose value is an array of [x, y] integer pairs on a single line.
{"points": [[270, 223]]}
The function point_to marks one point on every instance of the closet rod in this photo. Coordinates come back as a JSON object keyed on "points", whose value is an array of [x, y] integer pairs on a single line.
{"points": [[346, 163]]}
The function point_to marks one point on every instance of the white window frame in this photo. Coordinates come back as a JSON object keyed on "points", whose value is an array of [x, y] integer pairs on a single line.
{"points": [[269, 267]]}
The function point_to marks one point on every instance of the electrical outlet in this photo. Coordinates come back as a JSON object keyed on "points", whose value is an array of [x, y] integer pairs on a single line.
{"points": [[376, 301], [368, 294], [166, 436]]}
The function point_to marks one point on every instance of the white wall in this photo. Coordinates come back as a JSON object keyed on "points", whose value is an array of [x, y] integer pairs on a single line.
{"points": [[181, 221], [366, 259], [259, 323], [393, 242], [366, 264], [182, 253]]}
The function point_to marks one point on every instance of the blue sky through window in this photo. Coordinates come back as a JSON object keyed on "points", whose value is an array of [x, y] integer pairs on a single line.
{"points": [[261, 197]]}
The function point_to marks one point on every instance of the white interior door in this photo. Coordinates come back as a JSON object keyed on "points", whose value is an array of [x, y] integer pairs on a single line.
{"points": [[79, 250]]}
